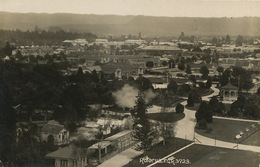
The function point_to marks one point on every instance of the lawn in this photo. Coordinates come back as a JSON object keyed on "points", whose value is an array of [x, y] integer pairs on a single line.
{"points": [[160, 151], [253, 139], [166, 117], [195, 107], [225, 130], [205, 156]]}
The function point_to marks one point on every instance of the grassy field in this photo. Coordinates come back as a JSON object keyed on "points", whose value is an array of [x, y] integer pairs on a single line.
{"points": [[160, 151], [225, 130], [195, 107], [207, 156], [253, 139], [166, 117]]}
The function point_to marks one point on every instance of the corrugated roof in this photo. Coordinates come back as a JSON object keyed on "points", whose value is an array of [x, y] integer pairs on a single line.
{"points": [[102, 144], [118, 135]]}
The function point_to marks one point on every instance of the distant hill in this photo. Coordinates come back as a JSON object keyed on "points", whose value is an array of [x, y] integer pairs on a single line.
{"points": [[147, 25]]}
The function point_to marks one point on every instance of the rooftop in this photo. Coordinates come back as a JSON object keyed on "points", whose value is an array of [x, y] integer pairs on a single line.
{"points": [[69, 152], [102, 144], [118, 135], [52, 127], [229, 86], [161, 48]]}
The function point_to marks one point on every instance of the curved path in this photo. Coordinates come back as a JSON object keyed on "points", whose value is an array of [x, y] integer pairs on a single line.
{"points": [[185, 129]]}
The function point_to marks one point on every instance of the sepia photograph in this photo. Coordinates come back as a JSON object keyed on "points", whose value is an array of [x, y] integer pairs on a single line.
{"points": [[129, 83]]}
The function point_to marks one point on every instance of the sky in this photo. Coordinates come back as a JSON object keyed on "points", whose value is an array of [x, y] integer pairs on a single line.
{"points": [[171, 8]]}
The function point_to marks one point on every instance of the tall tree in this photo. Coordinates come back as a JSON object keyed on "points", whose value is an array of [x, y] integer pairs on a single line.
{"points": [[181, 66], [190, 101], [252, 106], [171, 63], [172, 86], [188, 69], [142, 128], [220, 70], [204, 71], [149, 64], [7, 50], [182, 36], [179, 108], [209, 83], [7, 125], [204, 112], [239, 40], [227, 40]]}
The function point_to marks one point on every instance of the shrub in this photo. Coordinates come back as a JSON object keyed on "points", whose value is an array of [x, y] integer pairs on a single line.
{"points": [[179, 108]]}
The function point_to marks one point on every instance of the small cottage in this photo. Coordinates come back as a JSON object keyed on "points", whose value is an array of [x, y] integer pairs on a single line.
{"points": [[59, 133]]}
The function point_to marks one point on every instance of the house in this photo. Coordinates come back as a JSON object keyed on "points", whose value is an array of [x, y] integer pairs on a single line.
{"points": [[119, 69], [37, 51], [196, 67], [159, 83], [70, 156], [134, 41], [90, 69], [41, 51], [74, 49], [81, 42], [101, 41], [60, 134]]}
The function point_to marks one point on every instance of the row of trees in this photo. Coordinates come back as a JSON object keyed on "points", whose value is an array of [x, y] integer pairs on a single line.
{"points": [[41, 38], [248, 108], [227, 40], [237, 76], [42, 87]]}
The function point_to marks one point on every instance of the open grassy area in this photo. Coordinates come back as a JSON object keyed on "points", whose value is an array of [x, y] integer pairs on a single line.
{"points": [[204, 92], [253, 139], [195, 107], [207, 156], [166, 117], [160, 151], [225, 130]]}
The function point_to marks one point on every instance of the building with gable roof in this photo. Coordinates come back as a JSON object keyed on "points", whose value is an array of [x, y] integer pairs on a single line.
{"points": [[58, 131], [70, 156]]}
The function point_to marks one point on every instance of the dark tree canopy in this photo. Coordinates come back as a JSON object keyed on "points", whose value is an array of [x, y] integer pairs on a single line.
{"points": [[220, 69], [188, 69], [208, 83], [164, 63], [190, 101], [149, 64], [252, 106], [172, 86], [204, 112], [179, 108], [204, 71], [181, 66], [142, 127], [171, 63]]}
